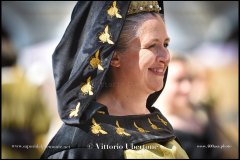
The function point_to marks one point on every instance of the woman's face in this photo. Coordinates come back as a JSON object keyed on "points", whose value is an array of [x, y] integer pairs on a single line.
{"points": [[146, 58]]}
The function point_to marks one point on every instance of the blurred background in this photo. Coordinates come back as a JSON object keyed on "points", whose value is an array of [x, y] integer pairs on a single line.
{"points": [[206, 32]]}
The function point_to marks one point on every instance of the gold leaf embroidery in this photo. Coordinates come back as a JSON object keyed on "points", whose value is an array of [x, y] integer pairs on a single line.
{"points": [[113, 11], [105, 36], [140, 129], [153, 125], [101, 112], [96, 128], [95, 62], [87, 88], [120, 130], [74, 112], [164, 122]]}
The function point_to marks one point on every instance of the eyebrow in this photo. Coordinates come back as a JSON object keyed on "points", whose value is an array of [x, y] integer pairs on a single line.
{"points": [[157, 40], [167, 39]]}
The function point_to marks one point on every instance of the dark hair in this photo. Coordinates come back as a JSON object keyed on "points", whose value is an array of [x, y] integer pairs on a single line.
{"points": [[9, 56]]}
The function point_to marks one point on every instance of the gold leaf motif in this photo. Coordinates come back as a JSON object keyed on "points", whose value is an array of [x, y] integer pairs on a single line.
{"points": [[74, 112], [140, 129], [95, 62], [113, 11], [96, 128], [101, 112], [87, 88], [120, 130], [153, 125], [105, 36], [164, 122]]}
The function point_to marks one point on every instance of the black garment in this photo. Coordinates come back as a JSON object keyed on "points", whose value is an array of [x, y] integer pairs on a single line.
{"points": [[93, 34], [80, 142], [80, 43]]}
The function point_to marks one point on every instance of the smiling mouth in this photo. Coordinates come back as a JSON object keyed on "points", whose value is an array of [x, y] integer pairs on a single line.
{"points": [[159, 71]]}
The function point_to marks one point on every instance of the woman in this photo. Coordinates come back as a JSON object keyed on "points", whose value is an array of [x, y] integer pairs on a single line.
{"points": [[118, 53]]}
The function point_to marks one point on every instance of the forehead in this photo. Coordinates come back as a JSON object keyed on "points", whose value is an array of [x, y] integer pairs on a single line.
{"points": [[154, 27]]}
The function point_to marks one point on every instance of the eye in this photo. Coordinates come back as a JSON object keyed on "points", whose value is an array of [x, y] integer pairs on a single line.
{"points": [[166, 45], [152, 46]]}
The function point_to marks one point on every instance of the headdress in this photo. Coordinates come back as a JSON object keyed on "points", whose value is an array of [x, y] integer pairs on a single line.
{"points": [[82, 58]]}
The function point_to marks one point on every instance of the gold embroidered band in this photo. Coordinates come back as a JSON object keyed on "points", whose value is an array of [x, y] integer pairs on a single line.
{"points": [[143, 6]]}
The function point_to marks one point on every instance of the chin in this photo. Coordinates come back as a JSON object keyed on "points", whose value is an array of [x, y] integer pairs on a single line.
{"points": [[154, 85], [156, 88]]}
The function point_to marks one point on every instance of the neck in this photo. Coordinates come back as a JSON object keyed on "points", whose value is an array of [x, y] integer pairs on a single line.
{"points": [[124, 99]]}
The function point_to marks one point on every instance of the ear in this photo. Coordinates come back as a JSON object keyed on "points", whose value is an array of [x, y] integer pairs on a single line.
{"points": [[115, 62]]}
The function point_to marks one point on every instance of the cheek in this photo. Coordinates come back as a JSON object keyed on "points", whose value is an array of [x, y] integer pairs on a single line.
{"points": [[130, 65], [145, 60], [179, 92], [172, 88]]}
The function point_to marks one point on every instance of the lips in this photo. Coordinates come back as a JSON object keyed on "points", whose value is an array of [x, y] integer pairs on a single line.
{"points": [[159, 71]]}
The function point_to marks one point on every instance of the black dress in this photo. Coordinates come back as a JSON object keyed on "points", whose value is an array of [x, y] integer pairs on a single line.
{"points": [[105, 136]]}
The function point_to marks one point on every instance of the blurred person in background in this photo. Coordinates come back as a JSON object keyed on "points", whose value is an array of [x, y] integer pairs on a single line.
{"points": [[220, 60], [25, 119], [192, 122]]}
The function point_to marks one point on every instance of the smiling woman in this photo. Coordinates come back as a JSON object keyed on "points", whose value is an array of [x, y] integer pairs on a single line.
{"points": [[109, 68], [138, 65]]}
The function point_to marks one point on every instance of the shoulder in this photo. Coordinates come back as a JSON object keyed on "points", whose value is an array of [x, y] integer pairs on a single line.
{"points": [[161, 117], [72, 142], [84, 153], [62, 143]]}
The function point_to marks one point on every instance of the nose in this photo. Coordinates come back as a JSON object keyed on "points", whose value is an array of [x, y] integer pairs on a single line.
{"points": [[163, 56]]}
